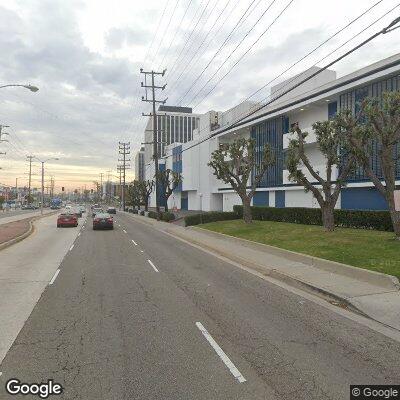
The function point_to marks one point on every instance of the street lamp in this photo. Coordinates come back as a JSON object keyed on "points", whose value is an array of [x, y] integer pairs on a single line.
{"points": [[49, 159], [32, 88], [16, 186]]}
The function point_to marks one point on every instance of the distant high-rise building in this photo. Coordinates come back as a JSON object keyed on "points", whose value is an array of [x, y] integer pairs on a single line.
{"points": [[139, 165], [174, 125]]}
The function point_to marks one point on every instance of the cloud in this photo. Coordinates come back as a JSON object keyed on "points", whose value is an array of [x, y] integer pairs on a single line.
{"points": [[117, 38]]}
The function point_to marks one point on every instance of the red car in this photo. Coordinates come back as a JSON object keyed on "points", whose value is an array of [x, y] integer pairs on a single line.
{"points": [[67, 220]]}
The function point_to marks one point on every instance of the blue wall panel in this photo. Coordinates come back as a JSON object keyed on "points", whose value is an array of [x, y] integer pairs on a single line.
{"points": [[280, 199], [363, 198], [261, 199], [162, 201], [184, 203]]}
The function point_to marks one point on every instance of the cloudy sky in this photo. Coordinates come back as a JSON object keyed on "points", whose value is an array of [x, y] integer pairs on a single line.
{"points": [[85, 57]]}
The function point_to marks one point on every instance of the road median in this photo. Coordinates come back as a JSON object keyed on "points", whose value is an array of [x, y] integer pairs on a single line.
{"points": [[15, 231]]}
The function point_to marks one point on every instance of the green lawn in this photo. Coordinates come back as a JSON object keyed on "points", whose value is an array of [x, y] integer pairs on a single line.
{"points": [[373, 250]]}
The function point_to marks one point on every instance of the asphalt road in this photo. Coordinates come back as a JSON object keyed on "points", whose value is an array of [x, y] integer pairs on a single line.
{"points": [[115, 326]]}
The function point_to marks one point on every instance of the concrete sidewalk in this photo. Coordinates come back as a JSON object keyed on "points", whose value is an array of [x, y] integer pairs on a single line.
{"points": [[371, 293]]}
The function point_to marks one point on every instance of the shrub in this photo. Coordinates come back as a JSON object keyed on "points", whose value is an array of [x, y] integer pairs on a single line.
{"points": [[379, 220], [167, 216], [197, 219], [152, 214]]}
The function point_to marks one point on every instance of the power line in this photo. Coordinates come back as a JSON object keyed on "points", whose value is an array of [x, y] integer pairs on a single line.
{"points": [[185, 67], [172, 71], [176, 31], [222, 45], [236, 47], [237, 124], [155, 33], [319, 46], [240, 58], [166, 29]]}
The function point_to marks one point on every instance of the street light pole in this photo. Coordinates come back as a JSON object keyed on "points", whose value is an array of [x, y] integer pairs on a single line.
{"points": [[41, 205], [30, 87], [42, 202]]}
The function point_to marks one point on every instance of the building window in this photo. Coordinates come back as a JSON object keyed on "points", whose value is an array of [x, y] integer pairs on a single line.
{"points": [[185, 129], [270, 132], [168, 129], [172, 129], [180, 129], [190, 135], [332, 109]]}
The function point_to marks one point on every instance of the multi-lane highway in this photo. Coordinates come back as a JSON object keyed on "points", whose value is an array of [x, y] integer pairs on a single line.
{"points": [[134, 313]]}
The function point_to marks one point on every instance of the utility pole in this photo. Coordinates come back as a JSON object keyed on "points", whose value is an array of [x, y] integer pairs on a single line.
{"points": [[101, 186], [154, 101], [124, 149], [119, 169], [30, 177]]}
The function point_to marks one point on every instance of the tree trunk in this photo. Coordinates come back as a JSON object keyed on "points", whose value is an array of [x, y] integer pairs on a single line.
{"points": [[394, 215], [166, 204], [247, 217], [146, 204], [328, 219]]}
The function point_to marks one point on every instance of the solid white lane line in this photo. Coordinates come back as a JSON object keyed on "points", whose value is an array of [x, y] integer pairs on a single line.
{"points": [[124, 230], [154, 267], [79, 234], [54, 277], [225, 359], [134, 242], [71, 247]]}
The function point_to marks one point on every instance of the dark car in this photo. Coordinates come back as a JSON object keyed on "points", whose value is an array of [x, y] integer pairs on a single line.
{"points": [[111, 210], [103, 221], [77, 212], [96, 210], [67, 219]]}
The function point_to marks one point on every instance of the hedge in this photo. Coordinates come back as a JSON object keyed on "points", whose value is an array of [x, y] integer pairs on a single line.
{"points": [[379, 220], [197, 219], [164, 216]]}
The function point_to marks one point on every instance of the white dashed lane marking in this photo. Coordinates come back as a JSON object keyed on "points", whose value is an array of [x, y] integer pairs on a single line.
{"points": [[54, 277], [154, 267], [225, 359]]}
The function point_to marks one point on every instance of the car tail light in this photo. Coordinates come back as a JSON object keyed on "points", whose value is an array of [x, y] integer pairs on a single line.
{"points": [[110, 220], [96, 220]]}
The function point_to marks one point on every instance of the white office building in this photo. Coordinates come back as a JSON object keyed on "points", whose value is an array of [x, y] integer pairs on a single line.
{"points": [[319, 99]]}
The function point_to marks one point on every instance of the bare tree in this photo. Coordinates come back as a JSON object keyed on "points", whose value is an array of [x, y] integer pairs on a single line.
{"points": [[332, 143], [380, 130], [146, 188], [169, 181], [235, 162]]}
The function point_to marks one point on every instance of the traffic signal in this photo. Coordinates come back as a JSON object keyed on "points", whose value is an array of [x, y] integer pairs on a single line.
{"points": [[91, 190], [63, 189]]}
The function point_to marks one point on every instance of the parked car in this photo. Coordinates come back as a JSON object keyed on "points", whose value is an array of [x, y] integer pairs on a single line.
{"points": [[28, 207], [77, 212], [96, 211], [103, 221], [111, 210], [67, 219]]}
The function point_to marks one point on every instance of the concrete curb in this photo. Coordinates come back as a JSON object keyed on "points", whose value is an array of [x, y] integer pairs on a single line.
{"points": [[377, 278], [25, 234], [18, 238]]}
